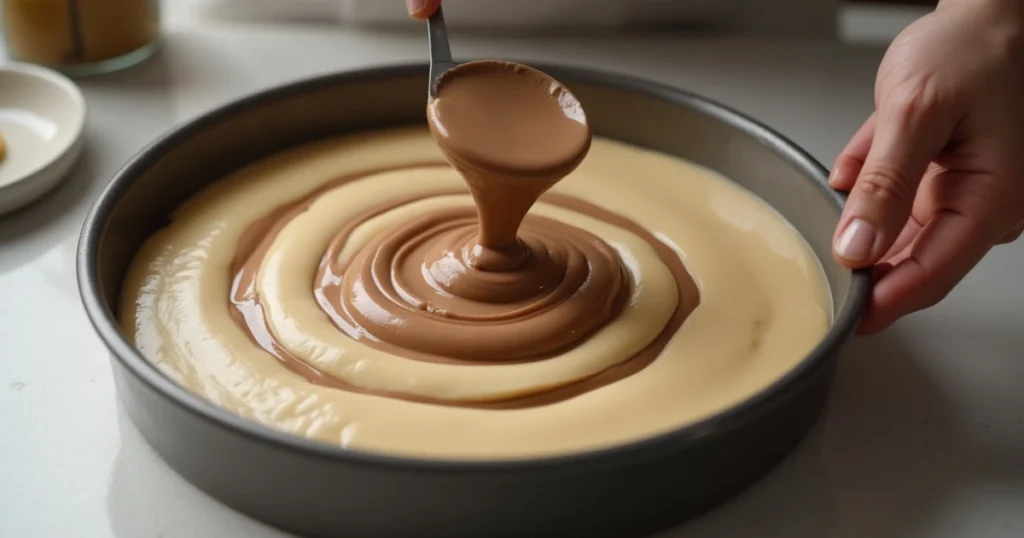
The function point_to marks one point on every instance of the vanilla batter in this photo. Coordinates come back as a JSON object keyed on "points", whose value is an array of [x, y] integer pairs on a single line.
{"points": [[763, 305]]}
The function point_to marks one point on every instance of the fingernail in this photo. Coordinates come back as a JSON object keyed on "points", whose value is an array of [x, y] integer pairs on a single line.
{"points": [[856, 241], [415, 6]]}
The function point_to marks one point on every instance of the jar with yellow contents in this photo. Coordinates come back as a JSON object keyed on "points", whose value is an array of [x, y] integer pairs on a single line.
{"points": [[81, 37]]}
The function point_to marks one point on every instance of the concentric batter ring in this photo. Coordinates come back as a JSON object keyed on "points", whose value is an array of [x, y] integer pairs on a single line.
{"points": [[276, 282]]}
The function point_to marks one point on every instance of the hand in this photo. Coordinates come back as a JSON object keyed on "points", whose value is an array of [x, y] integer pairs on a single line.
{"points": [[422, 9], [936, 174]]}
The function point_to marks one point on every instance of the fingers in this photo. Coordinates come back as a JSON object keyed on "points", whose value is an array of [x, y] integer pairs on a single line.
{"points": [[910, 231], [851, 159], [941, 255], [422, 9], [909, 132]]}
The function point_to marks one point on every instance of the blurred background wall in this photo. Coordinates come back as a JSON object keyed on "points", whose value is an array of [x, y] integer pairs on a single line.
{"points": [[802, 19]]}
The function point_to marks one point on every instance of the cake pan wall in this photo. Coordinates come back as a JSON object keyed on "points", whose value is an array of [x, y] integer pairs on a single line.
{"points": [[319, 490]]}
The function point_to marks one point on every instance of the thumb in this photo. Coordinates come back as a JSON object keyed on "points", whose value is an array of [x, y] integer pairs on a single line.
{"points": [[910, 131], [422, 9]]}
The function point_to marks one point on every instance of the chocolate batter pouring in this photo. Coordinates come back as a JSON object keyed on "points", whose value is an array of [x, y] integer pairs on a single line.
{"points": [[512, 132], [454, 285], [494, 285]]}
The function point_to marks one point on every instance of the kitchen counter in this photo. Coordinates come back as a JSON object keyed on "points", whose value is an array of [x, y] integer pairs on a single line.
{"points": [[923, 435]]}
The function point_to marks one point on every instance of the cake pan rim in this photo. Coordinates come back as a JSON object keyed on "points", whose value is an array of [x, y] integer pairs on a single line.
{"points": [[104, 323]]}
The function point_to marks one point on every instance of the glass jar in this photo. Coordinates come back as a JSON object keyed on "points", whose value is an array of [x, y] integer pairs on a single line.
{"points": [[81, 37]]}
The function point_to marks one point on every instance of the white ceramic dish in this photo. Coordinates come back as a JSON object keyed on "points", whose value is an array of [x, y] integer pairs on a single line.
{"points": [[42, 118]]}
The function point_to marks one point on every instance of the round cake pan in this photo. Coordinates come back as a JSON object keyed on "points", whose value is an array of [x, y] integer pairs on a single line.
{"points": [[318, 490]]}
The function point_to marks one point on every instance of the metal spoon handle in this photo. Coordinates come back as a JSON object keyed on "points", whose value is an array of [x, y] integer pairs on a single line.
{"points": [[440, 51]]}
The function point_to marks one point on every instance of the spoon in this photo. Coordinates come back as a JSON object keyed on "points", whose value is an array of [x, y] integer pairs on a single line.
{"points": [[440, 51], [510, 131]]}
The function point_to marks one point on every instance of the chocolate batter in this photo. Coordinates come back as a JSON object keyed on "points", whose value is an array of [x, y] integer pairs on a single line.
{"points": [[436, 337], [512, 132]]}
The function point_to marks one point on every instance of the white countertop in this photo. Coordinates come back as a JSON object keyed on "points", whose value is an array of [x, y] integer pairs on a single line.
{"points": [[923, 435]]}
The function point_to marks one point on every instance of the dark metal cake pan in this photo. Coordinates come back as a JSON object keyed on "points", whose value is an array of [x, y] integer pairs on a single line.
{"points": [[318, 490]]}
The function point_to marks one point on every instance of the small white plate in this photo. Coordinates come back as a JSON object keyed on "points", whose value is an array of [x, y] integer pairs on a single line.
{"points": [[42, 118]]}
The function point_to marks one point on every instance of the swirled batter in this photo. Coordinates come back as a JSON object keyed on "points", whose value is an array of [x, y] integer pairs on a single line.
{"points": [[464, 285], [280, 238]]}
